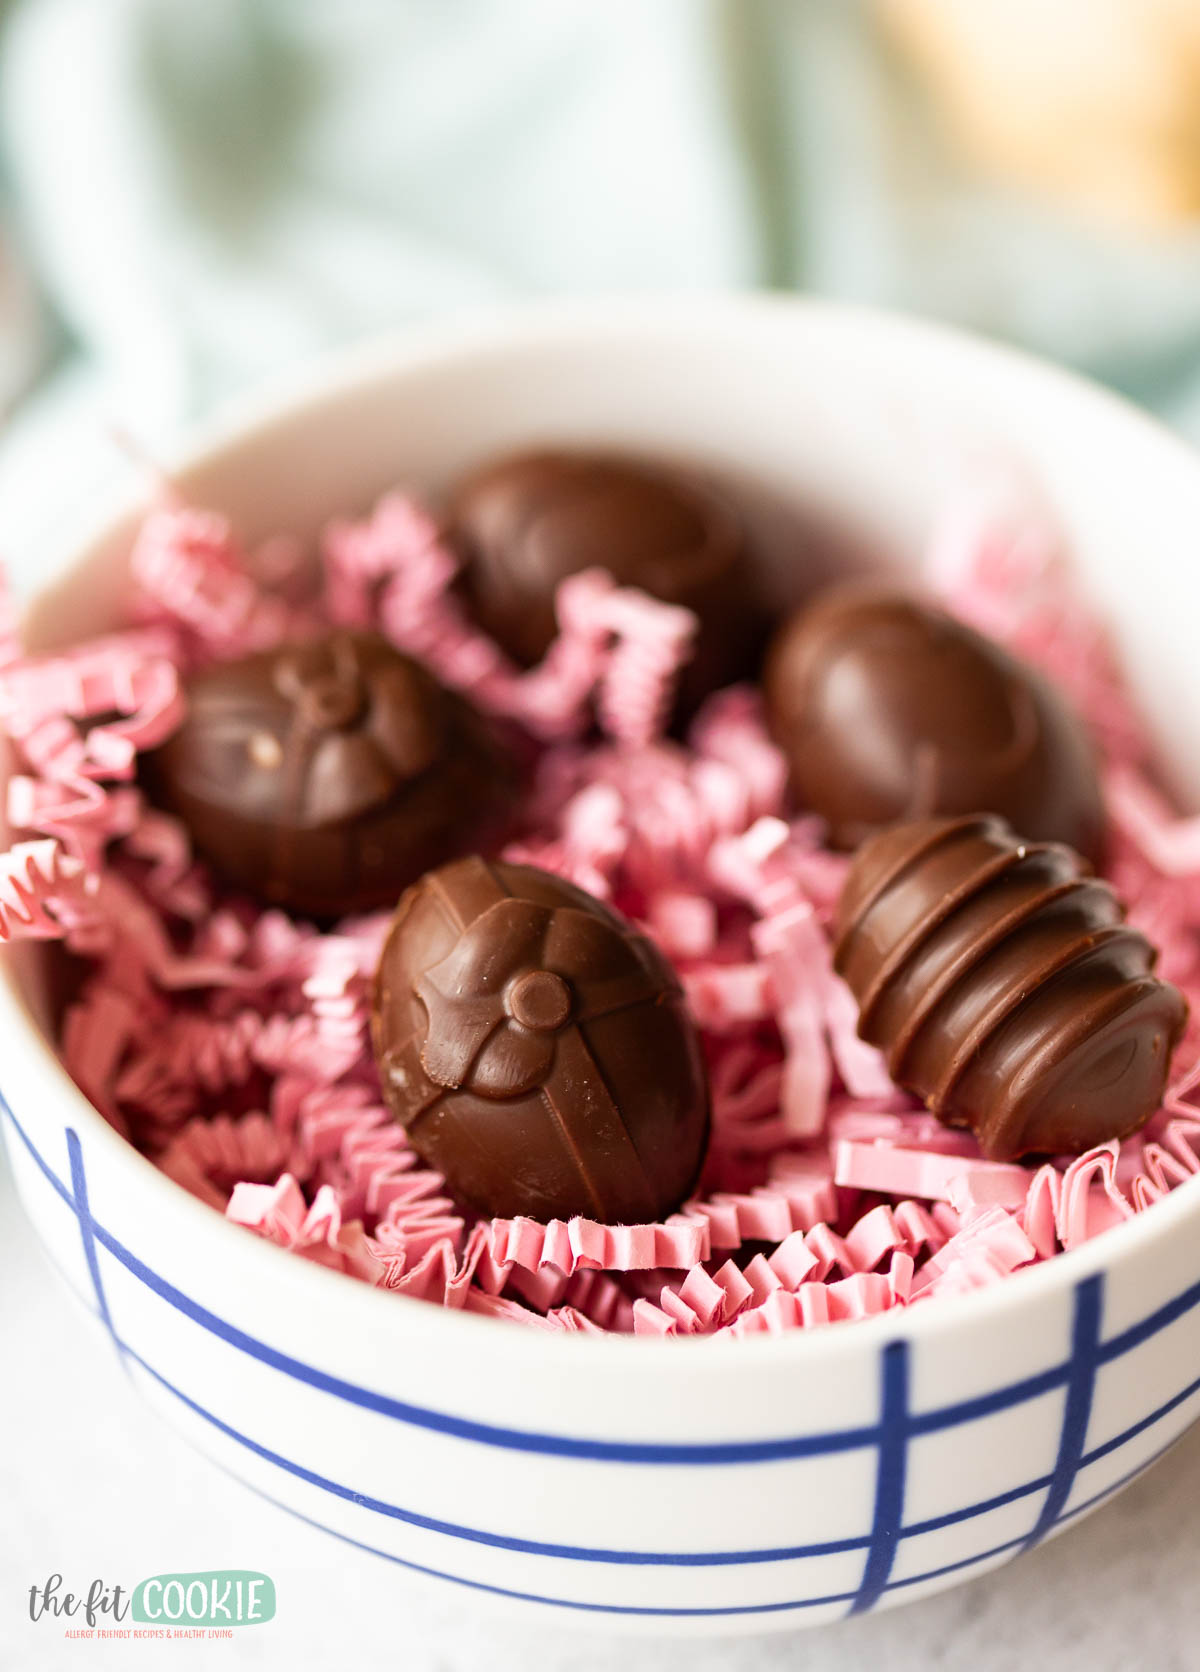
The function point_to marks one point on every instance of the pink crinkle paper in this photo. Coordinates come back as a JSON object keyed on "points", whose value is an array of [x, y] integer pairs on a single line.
{"points": [[230, 1044]]}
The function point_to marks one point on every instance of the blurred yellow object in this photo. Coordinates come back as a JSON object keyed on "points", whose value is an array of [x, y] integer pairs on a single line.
{"points": [[1096, 102]]}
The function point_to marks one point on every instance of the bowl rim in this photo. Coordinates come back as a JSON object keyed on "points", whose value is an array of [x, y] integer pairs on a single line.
{"points": [[347, 372]]}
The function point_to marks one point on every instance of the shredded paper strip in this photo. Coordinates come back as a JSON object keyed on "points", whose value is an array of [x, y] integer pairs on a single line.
{"points": [[231, 1044]]}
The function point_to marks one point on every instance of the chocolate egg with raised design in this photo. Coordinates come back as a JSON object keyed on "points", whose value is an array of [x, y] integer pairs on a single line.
{"points": [[325, 776], [537, 1050]]}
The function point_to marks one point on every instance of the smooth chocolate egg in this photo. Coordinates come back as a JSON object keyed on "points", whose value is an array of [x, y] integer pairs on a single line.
{"points": [[524, 523], [889, 709]]}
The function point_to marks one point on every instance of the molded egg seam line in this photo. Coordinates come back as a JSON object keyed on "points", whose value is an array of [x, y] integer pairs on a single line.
{"points": [[648, 1452]]}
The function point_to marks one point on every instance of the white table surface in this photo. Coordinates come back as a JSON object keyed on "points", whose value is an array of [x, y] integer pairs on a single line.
{"points": [[92, 1484]]}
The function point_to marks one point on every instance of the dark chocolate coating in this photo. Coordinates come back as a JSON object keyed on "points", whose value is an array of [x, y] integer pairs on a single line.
{"points": [[526, 522], [888, 709], [1005, 987], [326, 776], [537, 1049]]}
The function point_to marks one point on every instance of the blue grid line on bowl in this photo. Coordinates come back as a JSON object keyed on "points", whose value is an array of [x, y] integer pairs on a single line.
{"points": [[1010, 1546], [675, 1558], [976, 1559], [953, 1415], [890, 1476], [640, 1558], [1077, 1406], [710, 1453], [84, 1216], [891, 1438]]}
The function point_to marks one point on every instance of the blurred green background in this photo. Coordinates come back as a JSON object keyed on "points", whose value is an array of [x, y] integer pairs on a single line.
{"points": [[195, 195]]}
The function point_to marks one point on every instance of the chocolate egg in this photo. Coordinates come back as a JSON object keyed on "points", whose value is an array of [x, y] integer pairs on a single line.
{"points": [[888, 709], [524, 523], [326, 776], [537, 1049], [1005, 987]]}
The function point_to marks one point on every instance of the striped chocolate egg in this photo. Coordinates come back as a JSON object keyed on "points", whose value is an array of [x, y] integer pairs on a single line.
{"points": [[1004, 986]]}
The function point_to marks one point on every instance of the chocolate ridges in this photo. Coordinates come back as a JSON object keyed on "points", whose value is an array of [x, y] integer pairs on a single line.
{"points": [[1004, 986], [537, 1049]]}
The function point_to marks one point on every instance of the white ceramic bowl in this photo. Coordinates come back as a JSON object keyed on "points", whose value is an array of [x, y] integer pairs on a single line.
{"points": [[692, 1485]]}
